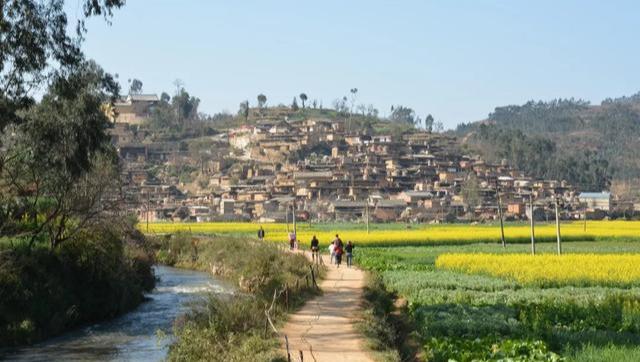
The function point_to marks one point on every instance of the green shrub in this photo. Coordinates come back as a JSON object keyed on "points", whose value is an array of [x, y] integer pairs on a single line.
{"points": [[614, 313], [94, 275], [487, 349]]}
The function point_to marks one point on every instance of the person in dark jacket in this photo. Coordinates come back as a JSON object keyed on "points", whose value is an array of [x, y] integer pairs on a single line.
{"points": [[315, 249], [261, 233], [348, 249]]}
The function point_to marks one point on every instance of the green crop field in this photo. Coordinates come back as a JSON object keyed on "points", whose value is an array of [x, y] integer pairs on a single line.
{"points": [[465, 317]]}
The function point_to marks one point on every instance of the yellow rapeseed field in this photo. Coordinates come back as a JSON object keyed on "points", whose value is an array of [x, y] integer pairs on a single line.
{"points": [[549, 269], [394, 234]]}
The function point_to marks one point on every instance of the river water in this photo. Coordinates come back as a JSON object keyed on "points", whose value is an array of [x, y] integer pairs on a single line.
{"points": [[133, 336]]}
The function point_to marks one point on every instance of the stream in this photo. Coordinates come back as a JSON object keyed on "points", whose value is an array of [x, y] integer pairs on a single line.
{"points": [[132, 336]]}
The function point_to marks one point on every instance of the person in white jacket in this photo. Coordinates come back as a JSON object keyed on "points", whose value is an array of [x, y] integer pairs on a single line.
{"points": [[332, 252]]}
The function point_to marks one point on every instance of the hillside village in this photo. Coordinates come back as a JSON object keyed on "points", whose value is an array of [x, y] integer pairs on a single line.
{"points": [[326, 170]]}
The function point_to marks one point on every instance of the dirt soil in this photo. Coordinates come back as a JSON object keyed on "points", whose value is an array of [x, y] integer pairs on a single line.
{"points": [[324, 329]]}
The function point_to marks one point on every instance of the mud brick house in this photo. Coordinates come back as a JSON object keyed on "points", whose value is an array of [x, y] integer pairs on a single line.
{"points": [[135, 109], [388, 210], [347, 210]]}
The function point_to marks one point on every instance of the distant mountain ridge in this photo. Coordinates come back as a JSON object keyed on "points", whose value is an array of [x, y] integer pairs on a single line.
{"points": [[567, 139]]}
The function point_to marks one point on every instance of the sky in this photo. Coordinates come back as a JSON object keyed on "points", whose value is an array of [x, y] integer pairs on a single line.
{"points": [[456, 60]]}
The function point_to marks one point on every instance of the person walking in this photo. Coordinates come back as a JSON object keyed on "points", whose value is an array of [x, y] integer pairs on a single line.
{"points": [[338, 251], [332, 252], [292, 240], [261, 233], [337, 241], [315, 250], [348, 249]]}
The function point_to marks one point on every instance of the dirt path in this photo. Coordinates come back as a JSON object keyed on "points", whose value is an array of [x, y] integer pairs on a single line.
{"points": [[324, 328]]}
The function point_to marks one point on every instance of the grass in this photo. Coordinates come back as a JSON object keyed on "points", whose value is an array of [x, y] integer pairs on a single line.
{"points": [[385, 326], [591, 353], [233, 327], [461, 316]]}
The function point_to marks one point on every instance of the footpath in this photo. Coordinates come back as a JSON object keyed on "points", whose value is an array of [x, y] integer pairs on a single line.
{"points": [[324, 329]]}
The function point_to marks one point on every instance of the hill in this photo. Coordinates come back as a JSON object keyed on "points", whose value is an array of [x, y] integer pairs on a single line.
{"points": [[591, 146]]}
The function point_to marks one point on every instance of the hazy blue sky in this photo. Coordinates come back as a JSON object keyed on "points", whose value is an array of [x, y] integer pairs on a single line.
{"points": [[454, 59]]}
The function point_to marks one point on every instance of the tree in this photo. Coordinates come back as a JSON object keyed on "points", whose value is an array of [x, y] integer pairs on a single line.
{"points": [[340, 105], [185, 106], [303, 98], [262, 100], [135, 86], [243, 110], [165, 98], [402, 114], [354, 92], [428, 123], [179, 85], [438, 127], [35, 46], [372, 111], [163, 116], [52, 157], [362, 109], [294, 104]]}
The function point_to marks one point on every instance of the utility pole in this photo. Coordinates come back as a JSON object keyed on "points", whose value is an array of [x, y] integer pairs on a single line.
{"points": [[366, 205], [533, 235], [148, 209], [558, 227], [286, 218], [500, 215], [585, 218], [293, 214]]}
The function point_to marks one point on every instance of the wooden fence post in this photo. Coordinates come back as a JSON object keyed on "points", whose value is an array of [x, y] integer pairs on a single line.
{"points": [[313, 277], [286, 343], [266, 327]]}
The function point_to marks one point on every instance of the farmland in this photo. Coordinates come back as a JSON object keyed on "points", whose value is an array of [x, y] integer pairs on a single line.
{"points": [[464, 316], [495, 303], [415, 235], [549, 269]]}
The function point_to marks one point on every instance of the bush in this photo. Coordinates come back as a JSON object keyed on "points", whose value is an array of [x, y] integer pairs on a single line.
{"points": [[488, 349], [95, 275], [614, 313]]}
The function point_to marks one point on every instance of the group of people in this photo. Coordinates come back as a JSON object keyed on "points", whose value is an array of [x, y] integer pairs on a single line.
{"points": [[336, 249]]}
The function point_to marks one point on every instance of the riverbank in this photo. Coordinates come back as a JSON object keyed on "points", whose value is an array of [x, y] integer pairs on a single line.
{"points": [[91, 277], [269, 281], [145, 333]]}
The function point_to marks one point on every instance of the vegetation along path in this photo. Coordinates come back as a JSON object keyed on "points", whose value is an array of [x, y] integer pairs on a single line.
{"points": [[324, 329]]}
